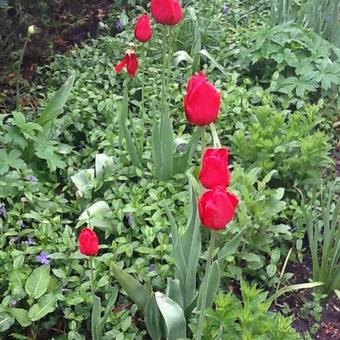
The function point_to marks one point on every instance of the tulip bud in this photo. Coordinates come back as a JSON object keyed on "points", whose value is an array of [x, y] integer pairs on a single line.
{"points": [[88, 242], [202, 101], [214, 170], [216, 208], [166, 12], [143, 30]]}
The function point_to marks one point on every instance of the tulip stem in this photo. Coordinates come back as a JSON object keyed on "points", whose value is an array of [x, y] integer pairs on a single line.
{"points": [[205, 283], [214, 134], [203, 142], [143, 113], [92, 277]]}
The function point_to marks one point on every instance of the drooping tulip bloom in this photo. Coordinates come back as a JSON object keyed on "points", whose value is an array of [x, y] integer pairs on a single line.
{"points": [[202, 101], [130, 62], [216, 208], [214, 170], [88, 242], [143, 30], [166, 12]]}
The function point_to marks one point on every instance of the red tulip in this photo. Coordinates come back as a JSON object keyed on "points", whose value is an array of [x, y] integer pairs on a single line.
{"points": [[129, 61], [216, 208], [202, 101], [88, 242], [166, 12], [143, 30], [214, 170]]}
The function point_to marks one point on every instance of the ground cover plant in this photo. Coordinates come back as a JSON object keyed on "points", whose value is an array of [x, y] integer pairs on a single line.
{"points": [[162, 181]]}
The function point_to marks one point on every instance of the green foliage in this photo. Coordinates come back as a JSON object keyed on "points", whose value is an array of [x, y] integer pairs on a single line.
{"points": [[263, 229], [287, 143], [321, 218], [294, 62], [322, 16], [246, 319]]}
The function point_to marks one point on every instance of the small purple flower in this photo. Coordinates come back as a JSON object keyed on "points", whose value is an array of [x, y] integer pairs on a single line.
{"points": [[3, 211], [152, 268], [13, 302], [43, 258], [29, 241], [32, 178], [118, 25], [225, 9], [80, 146]]}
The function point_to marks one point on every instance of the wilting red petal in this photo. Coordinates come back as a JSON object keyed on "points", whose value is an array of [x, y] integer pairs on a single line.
{"points": [[121, 64]]}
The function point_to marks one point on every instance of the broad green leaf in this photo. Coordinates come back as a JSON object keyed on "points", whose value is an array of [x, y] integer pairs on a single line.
{"points": [[97, 215], [6, 321], [36, 285], [56, 104], [173, 316], [103, 162], [152, 318], [206, 54], [21, 315], [45, 305], [138, 293], [173, 290], [83, 180]]}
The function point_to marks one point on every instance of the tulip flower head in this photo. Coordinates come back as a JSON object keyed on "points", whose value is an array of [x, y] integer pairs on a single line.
{"points": [[202, 101], [166, 12], [130, 61], [216, 208], [143, 30], [88, 242], [214, 170]]}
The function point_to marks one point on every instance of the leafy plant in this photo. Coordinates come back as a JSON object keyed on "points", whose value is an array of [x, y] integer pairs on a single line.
{"points": [[322, 16], [247, 318], [321, 219]]}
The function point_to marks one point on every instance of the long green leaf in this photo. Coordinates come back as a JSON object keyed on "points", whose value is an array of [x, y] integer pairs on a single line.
{"points": [[153, 319], [173, 316], [138, 293], [56, 104], [292, 288]]}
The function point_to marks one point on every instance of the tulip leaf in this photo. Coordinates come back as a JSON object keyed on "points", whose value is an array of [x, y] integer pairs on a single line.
{"points": [[156, 147], [56, 104], [173, 316], [95, 317], [125, 133], [206, 54], [174, 291], [167, 146], [213, 285], [153, 319], [137, 292]]}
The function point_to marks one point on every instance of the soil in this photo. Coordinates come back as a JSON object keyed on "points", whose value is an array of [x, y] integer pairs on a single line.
{"points": [[75, 25], [329, 324]]}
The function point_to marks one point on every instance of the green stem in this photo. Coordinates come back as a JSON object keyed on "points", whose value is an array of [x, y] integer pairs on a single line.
{"points": [[92, 278], [214, 134], [164, 68], [19, 72], [205, 284], [144, 117], [203, 143]]}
